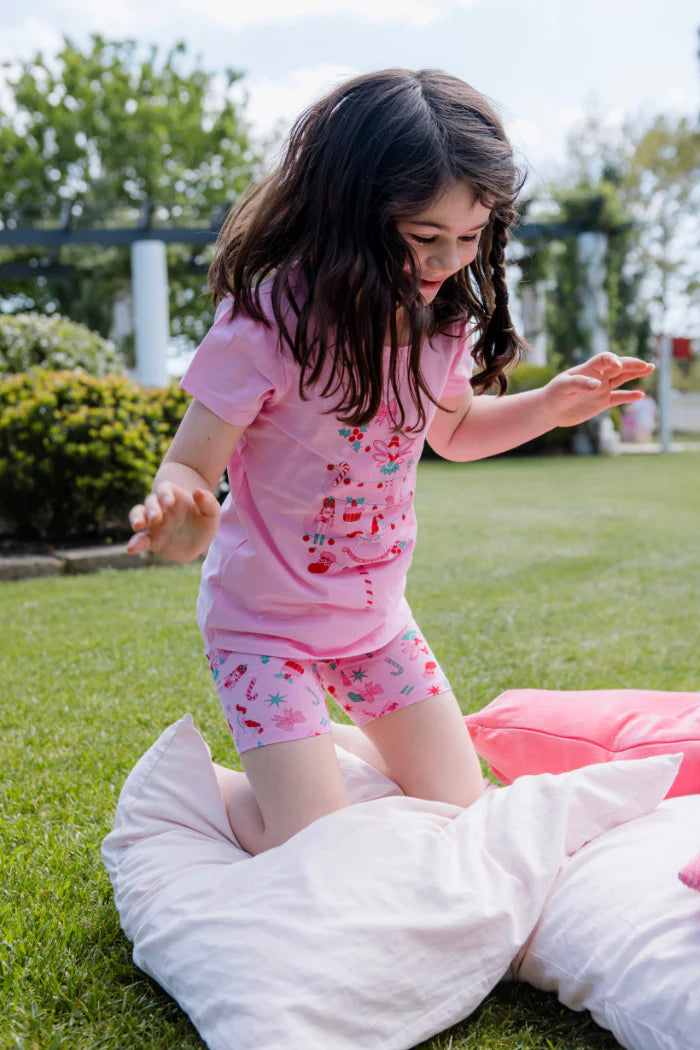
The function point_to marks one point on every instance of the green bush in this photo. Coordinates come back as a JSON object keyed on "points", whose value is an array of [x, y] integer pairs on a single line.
{"points": [[55, 343], [530, 377], [686, 375], [76, 451], [554, 442], [169, 403]]}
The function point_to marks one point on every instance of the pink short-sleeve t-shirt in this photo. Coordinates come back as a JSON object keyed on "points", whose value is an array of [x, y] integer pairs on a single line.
{"points": [[318, 529]]}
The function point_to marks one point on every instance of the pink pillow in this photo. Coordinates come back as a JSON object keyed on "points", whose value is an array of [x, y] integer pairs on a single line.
{"points": [[553, 731]]}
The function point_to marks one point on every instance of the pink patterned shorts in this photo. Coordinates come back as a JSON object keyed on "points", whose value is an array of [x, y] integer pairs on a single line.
{"points": [[267, 699]]}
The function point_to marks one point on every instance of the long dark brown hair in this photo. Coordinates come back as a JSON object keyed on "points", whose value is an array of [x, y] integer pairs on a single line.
{"points": [[323, 226]]}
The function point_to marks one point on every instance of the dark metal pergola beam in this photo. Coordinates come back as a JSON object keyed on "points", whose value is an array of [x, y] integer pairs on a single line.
{"points": [[58, 237], [61, 238]]}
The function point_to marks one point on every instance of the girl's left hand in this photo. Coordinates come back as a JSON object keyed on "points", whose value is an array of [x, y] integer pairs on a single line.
{"points": [[585, 390]]}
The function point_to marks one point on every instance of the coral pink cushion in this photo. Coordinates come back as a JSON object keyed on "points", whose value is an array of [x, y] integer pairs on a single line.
{"points": [[525, 731]]}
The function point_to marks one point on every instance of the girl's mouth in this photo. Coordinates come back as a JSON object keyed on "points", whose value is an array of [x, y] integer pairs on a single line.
{"points": [[431, 285]]}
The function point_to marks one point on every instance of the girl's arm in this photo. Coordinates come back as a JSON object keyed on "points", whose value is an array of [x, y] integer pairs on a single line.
{"points": [[180, 517], [484, 426]]}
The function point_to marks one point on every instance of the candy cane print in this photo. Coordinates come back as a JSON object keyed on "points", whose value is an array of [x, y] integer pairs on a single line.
{"points": [[392, 663], [249, 694], [343, 470], [216, 658], [235, 676], [314, 696]]}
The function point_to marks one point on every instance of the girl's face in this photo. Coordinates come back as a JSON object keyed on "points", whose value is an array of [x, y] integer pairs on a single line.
{"points": [[444, 236]]}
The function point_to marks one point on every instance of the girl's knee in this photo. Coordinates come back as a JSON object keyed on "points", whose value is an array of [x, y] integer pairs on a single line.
{"points": [[293, 784]]}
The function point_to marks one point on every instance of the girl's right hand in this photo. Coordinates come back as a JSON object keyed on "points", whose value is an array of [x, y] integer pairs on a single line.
{"points": [[176, 524]]}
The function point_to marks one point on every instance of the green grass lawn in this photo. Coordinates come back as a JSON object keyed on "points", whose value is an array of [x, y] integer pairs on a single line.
{"points": [[563, 573]]}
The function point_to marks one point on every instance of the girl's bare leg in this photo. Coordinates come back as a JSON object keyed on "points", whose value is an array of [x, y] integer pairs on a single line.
{"points": [[245, 817], [352, 739], [428, 752], [425, 748], [285, 787]]}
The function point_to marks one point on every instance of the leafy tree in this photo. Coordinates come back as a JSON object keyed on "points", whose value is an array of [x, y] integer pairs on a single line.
{"points": [[597, 207], [662, 188], [639, 186], [100, 135], [652, 168]]}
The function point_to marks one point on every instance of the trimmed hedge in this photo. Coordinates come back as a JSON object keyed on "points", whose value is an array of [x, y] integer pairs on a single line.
{"points": [[77, 451], [55, 343], [554, 442]]}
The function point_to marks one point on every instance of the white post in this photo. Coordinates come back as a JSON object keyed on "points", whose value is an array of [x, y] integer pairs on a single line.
{"points": [[533, 300], [594, 299], [149, 282], [664, 389]]}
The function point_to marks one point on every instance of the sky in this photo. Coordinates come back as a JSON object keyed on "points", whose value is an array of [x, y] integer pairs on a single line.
{"points": [[546, 63]]}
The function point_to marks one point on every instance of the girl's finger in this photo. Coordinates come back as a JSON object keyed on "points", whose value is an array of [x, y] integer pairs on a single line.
{"points": [[140, 542], [137, 517], [608, 362], [154, 513], [165, 494], [603, 364], [624, 397], [636, 364], [578, 383], [206, 501]]}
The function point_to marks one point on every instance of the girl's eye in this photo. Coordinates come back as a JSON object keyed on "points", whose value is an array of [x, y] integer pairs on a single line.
{"points": [[431, 240]]}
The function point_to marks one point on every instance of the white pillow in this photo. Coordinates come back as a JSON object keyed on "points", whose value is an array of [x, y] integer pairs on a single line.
{"points": [[377, 926], [620, 934]]}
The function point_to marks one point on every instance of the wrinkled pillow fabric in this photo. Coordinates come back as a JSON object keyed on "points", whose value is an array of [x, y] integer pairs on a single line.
{"points": [[377, 926], [526, 731], [619, 935]]}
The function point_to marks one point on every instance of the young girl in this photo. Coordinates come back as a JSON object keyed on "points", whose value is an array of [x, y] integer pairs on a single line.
{"points": [[357, 286]]}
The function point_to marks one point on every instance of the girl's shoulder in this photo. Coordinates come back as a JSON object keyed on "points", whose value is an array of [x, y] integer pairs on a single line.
{"points": [[456, 332], [239, 353], [453, 341], [228, 312], [236, 331]]}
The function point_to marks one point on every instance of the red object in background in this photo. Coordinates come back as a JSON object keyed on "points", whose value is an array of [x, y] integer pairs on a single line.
{"points": [[682, 349]]}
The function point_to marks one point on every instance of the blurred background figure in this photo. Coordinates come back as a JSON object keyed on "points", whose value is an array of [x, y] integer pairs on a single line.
{"points": [[639, 419]]}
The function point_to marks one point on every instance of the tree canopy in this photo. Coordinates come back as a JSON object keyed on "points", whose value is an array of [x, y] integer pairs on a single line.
{"points": [[653, 167], [95, 135], [638, 184]]}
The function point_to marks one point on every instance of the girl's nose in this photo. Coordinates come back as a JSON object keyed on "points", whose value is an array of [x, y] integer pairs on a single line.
{"points": [[445, 259]]}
